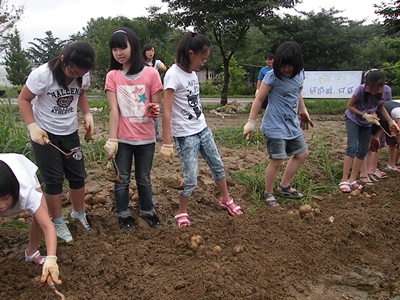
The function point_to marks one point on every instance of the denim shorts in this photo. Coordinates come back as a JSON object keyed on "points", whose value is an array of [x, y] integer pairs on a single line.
{"points": [[188, 148], [358, 138], [280, 148]]}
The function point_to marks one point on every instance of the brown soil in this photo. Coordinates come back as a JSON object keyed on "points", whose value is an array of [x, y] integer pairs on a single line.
{"points": [[350, 250]]}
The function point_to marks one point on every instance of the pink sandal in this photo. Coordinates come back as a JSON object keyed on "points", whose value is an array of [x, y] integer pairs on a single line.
{"points": [[182, 220], [237, 210], [344, 186], [356, 186]]}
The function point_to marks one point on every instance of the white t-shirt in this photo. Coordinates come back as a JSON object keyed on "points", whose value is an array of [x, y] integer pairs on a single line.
{"points": [[156, 64], [187, 115], [25, 172], [54, 108]]}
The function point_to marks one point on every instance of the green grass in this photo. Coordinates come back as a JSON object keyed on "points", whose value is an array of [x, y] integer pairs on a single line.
{"points": [[14, 137]]}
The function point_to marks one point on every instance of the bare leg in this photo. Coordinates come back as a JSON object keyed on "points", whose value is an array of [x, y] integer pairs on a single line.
{"points": [[347, 162], [270, 175], [77, 199], [183, 204], [292, 167], [54, 205]]}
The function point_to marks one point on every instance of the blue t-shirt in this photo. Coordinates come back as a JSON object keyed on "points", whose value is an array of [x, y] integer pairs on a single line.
{"points": [[280, 120], [368, 106], [263, 71]]}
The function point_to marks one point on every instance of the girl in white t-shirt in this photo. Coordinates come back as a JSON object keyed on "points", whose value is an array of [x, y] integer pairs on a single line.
{"points": [[20, 191], [57, 90], [150, 60], [133, 94], [184, 118]]}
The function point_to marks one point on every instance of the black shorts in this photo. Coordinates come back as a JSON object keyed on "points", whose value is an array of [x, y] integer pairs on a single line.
{"points": [[53, 165]]}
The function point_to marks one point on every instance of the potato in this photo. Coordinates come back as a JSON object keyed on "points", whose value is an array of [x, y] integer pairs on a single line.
{"points": [[305, 208], [88, 198], [196, 239], [100, 199], [355, 193], [238, 249], [216, 250]]}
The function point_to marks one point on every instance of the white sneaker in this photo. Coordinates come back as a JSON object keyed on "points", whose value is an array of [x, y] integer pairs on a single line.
{"points": [[63, 231], [35, 258], [82, 218]]}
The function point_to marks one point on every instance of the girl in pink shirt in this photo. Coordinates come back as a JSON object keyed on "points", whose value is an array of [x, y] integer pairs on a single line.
{"points": [[133, 92]]}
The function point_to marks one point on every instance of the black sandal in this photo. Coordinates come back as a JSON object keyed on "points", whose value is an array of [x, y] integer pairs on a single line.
{"points": [[284, 191], [272, 202]]}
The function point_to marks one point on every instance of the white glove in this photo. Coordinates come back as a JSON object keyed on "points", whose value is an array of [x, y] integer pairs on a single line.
{"points": [[111, 147], [167, 152], [372, 118], [89, 125], [37, 134], [255, 94], [249, 128], [50, 267]]}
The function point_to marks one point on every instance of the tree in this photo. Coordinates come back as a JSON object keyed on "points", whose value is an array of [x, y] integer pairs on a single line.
{"points": [[9, 16], [45, 49], [225, 22], [16, 61], [153, 29], [390, 11]]}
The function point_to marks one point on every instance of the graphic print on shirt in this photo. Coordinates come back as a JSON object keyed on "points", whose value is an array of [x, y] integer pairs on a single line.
{"points": [[192, 90], [131, 102], [64, 100]]}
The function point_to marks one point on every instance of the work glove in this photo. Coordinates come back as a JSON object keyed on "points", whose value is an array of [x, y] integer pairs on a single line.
{"points": [[372, 118], [37, 134], [152, 110], [89, 125], [111, 148], [167, 153], [374, 145], [255, 94], [249, 128], [50, 267], [305, 119], [393, 128]]}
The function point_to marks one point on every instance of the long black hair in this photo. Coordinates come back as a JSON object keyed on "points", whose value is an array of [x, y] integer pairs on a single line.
{"points": [[78, 53], [9, 185], [148, 47], [120, 39]]}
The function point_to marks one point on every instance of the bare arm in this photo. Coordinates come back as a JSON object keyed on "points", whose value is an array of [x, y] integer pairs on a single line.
{"points": [[166, 117], [42, 218], [258, 100], [114, 115], [24, 103], [350, 106], [83, 103]]}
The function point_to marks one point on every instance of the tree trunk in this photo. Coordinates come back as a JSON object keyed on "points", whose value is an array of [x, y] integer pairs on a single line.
{"points": [[224, 91]]}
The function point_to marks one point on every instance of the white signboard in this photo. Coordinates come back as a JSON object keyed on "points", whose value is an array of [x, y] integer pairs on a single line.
{"points": [[331, 84]]}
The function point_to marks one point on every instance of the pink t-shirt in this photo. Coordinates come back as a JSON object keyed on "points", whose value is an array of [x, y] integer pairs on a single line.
{"points": [[133, 95]]}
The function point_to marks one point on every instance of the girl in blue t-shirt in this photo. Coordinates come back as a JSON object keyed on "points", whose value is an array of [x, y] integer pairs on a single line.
{"points": [[360, 115], [280, 125]]}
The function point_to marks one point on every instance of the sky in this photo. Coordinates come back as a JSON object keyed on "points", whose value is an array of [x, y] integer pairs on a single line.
{"points": [[64, 18]]}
